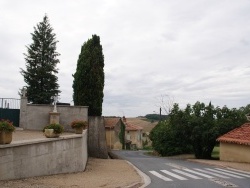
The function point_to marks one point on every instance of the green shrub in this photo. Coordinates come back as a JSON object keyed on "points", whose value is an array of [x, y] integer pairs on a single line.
{"points": [[58, 129], [78, 124], [6, 126]]}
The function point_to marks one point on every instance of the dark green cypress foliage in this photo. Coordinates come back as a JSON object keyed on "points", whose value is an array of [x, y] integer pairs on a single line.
{"points": [[88, 83], [41, 60]]}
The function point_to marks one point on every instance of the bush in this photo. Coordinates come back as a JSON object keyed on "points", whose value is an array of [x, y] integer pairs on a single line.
{"points": [[166, 141], [58, 129], [6, 126], [79, 124]]}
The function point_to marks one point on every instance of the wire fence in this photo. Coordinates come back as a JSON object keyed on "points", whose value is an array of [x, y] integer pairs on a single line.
{"points": [[9, 103]]}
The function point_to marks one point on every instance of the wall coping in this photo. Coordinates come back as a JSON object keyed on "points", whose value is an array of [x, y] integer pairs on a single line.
{"points": [[40, 140], [57, 105]]}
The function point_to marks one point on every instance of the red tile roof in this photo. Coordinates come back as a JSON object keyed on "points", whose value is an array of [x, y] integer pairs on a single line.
{"points": [[130, 127], [240, 135], [111, 122]]}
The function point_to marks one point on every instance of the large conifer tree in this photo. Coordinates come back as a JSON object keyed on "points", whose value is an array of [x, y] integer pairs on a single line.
{"points": [[88, 83], [41, 60]]}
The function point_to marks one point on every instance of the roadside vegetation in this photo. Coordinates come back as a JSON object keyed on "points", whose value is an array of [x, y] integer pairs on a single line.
{"points": [[216, 152], [195, 129]]}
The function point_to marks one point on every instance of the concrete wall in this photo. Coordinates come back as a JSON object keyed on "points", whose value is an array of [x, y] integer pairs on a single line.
{"points": [[234, 152], [97, 146], [36, 116], [46, 156]]}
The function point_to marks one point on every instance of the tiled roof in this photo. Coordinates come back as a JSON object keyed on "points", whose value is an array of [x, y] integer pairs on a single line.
{"points": [[130, 127], [142, 122], [111, 122], [240, 135]]}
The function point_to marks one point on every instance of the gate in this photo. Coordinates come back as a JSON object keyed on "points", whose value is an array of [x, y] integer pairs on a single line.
{"points": [[10, 109]]}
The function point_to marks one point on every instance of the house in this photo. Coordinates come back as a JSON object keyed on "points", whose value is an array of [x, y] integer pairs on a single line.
{"points": [[133, 135], [235, 145], [112, 129], [146, 125]]}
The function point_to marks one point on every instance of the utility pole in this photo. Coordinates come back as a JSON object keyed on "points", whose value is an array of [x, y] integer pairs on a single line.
{"points": [[160, 113]]}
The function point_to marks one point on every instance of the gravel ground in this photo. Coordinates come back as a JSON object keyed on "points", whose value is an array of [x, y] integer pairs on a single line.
{"points": [[105, 173]]}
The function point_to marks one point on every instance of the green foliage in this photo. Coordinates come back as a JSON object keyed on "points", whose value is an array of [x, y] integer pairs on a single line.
{"points": [[216, 152], [6, 126], [41, 60], [78, 124], [165, 140], [58, 129], [156, 117], [88, 83], [122, 135], [195, 128]]}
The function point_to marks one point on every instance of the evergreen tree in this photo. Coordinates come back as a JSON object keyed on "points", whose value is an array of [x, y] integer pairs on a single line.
{"points": [[88, 83], [41, 60]]}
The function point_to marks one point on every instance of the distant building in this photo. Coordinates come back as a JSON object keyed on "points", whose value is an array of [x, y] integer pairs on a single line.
{"points": [[133, 135], [113, 128]]}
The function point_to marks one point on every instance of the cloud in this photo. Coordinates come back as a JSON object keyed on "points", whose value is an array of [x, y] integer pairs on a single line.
{"points": [[195, 50]]}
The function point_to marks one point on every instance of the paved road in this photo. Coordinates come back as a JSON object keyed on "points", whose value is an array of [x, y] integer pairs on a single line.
{"points": [[174, 173]]}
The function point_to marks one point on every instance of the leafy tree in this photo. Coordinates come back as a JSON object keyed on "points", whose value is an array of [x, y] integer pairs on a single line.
{"points": [[195, 128], [204, 130], [208, 123], [122, 135], [88, 83], [171, 137], [156, 117], [41, 60]]}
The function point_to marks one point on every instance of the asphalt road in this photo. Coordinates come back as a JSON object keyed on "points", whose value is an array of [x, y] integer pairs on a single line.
{"points": [[177, 173]]}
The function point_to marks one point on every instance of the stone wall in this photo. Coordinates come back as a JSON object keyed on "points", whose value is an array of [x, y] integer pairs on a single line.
{"points": [[47, 156], [36, 116]]}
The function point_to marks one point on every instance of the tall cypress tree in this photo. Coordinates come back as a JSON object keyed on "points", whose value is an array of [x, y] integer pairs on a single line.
{"points": [[41, 60], [88, 83]]}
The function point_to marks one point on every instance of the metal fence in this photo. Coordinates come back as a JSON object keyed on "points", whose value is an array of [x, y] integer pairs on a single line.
{"points": [[9, 103]]}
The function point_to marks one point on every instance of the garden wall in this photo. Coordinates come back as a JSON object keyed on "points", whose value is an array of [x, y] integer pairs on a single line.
{"points": [[46, 156], [97, 146], [36, 116]]}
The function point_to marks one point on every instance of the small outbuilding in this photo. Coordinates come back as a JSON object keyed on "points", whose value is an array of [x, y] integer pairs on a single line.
{"points": [[113, 129], [235, 145], [133, 134]]}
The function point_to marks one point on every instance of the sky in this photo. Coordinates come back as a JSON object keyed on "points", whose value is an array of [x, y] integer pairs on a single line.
{"points": [[173, 50]]}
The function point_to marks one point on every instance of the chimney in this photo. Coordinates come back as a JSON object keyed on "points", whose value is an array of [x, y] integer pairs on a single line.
{"points": [[124, 119]]}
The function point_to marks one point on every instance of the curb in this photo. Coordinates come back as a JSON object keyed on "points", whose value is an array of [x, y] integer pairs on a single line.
{"points": [[145, 180]]}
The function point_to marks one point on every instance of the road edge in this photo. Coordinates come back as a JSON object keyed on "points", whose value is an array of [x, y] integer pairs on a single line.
{"points": [[144, 178]]}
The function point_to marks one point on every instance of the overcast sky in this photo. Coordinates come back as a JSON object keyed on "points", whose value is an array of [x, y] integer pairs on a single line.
{"points": [[195, 50]]}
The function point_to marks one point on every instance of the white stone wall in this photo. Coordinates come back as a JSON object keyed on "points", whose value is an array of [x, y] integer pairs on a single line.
{"points": [[47, 156], [36, 116]]}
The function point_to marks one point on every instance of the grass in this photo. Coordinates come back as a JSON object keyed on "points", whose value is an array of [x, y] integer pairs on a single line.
{"points": [[216, 152]]}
